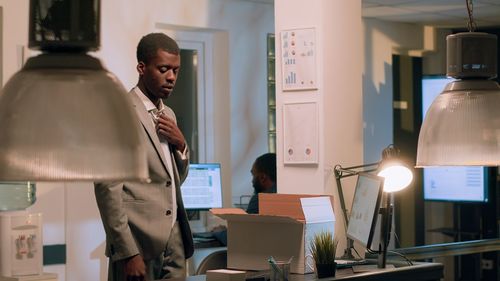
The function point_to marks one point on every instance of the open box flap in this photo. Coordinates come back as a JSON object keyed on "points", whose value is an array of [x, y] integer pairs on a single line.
{"points": [[289, 205], [251, 218], [317, 209]]}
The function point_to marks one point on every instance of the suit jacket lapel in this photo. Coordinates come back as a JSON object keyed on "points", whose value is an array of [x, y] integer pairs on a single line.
{"points": [[145, 119]]}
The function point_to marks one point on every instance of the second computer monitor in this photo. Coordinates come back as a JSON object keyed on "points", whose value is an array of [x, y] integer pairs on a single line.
{"points": [[365, 208], [202, 189]]}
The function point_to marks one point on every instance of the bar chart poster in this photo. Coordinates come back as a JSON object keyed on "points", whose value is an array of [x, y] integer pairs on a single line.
{"points": [[298, 51]]}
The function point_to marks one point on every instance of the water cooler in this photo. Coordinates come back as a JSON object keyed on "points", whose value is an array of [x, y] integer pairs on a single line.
{"points": [[21, 239], [21, 250]]}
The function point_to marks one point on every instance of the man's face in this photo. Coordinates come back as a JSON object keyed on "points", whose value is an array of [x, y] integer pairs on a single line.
{"points": [[160, 74], [256, 182]]}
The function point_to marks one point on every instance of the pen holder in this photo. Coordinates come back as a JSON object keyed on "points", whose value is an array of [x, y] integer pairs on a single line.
{"points": [[280, 270]]}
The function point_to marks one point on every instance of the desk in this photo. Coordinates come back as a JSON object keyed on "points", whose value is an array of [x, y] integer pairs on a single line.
{"points": [[447, 249], [420, 271]]}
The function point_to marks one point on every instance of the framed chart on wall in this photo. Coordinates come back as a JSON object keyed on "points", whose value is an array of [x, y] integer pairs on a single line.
{"points": [[298, 59]]}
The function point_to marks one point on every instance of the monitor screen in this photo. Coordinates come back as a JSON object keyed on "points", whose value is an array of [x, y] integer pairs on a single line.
{"points": [[365, 208], [202, 189], [457, 183]]}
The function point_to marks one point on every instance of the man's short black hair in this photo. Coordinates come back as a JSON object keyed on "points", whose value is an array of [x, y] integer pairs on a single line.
{"points": [[266, 163], [151, 43]]}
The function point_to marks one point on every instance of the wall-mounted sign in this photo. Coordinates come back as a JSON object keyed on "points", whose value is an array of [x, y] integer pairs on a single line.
{"points": [[298, 59], [300, 133]]}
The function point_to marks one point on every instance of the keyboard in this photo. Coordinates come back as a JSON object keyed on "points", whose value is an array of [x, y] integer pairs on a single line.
{"points": [[341, 263], [204, 235]]}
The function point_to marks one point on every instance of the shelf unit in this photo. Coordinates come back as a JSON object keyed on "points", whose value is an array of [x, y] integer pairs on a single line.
{"points": [[271, 93]]}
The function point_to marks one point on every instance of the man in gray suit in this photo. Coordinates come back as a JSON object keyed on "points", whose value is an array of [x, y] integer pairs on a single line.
{"points": [[147, 230]]}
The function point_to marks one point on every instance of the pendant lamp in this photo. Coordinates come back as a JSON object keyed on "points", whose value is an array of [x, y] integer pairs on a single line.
{"points": [[63, 116], [462, 125]]}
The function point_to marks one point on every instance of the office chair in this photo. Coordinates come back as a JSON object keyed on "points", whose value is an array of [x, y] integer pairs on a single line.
{"points": [[215, 260]]}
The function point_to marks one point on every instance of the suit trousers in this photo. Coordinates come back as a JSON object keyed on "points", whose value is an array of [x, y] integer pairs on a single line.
{"points": [[170, 264]]}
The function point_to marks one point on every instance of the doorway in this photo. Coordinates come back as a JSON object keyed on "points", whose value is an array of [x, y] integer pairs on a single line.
{"points": [[184, 101]]}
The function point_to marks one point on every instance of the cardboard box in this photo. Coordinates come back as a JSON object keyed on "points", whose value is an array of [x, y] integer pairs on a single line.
{"points": [[284, 227]]}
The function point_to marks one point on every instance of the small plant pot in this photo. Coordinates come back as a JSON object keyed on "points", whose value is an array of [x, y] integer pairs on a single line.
{"points": [[326, 270]]}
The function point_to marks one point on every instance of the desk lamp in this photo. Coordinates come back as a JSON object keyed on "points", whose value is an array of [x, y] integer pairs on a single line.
{"points": [[462, 124], [397, 176], [63, 117]]}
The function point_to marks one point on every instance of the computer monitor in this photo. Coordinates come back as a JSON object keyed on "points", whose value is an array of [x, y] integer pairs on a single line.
{"points": [[457, 183], [365, 208], [202, 189]]}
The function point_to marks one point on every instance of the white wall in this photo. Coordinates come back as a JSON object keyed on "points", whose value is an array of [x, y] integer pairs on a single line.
{"points": [[51, 202], [381, 41], [238, 29], [15, 35], [338, 68]]}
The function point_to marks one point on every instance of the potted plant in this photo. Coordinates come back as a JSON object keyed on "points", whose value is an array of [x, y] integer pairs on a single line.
{"points": [[323, 247]]}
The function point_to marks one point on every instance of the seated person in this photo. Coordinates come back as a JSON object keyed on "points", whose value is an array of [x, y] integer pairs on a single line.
{"points": [[263, 179]]}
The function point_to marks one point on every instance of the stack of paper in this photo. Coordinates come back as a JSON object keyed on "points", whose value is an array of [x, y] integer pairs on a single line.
{"points": [[225, 275]]}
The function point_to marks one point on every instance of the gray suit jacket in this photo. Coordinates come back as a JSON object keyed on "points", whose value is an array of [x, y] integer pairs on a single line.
{"points": [[137, 217]]}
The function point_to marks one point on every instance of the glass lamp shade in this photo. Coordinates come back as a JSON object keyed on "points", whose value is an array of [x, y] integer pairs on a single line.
{"points": [[396, 176], [63, 117], [462, 126]]}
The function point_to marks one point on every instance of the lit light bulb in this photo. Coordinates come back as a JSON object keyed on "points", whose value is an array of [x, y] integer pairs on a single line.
{"points": [[397, 177]]}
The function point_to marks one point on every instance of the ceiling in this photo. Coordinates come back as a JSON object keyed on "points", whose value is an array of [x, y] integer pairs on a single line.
{"points": [[439, 13]]}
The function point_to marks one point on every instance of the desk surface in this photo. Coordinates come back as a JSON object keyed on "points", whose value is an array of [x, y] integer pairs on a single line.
{"points": [[416, 272]]}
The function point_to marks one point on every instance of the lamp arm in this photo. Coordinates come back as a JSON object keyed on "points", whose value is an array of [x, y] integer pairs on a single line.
{"points": [[340, 173], [349, 244], [338, 176]]}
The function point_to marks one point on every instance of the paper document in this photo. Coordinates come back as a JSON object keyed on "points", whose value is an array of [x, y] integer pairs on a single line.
{"points": [[317, 209]]}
